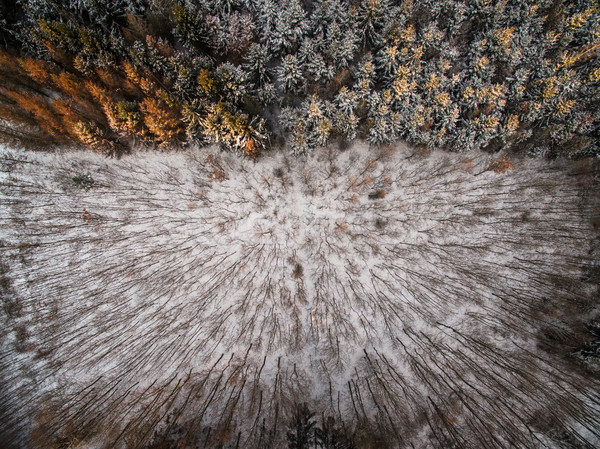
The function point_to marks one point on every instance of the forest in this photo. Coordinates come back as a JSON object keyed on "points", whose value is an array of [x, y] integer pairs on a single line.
{"points": [[310, 224], [253, 75]]}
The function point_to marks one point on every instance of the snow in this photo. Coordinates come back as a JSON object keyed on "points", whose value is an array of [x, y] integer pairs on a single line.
{"points": [[161, 293]]}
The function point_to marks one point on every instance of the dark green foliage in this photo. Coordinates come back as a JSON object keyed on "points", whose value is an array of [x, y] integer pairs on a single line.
{"points": [[330, 436], [83, 181], [192, 28], [304, 432], [301, 431], [589, 355]]}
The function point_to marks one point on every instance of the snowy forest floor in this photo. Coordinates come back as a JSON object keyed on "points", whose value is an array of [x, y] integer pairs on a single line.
{"points": [[199, 300]]}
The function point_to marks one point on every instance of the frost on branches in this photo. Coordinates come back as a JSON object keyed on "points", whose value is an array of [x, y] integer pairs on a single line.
{"points": [[357, 300]]}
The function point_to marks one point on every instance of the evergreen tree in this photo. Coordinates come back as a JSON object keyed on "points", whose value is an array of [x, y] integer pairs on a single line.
{"points": [[290, 28], [194, 29], [267, 19], [371, 21], [301, 430], [290, 74], [257, 64]]}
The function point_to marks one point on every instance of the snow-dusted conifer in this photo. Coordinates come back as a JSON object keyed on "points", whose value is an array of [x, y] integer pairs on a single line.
{"points": [[346, 100], [290, 28], [290, 74], [267, 17], [256, 64], [371, 20], [232, 82]]}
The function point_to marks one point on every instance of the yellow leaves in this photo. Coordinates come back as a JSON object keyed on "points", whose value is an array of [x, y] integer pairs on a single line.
{"points": [[364, 85], [417, 53], [179, 12], [391, 52], [38, 71], [491, 122], [432, 35], [402, 87], [91, 136], [403, 72], [469, 92], [418, 118], [314, 111], [492, 95], [552, 36], [512, 124], [55, 32], [110, 78], [443, 99], [85, 133], [132, 74], [482, 63], [69, 84], [549, 89], [566, 59], [206, 82], [594, 75], [125, 116], [387, 96], [503, 37], [325, 127], [97, 92], [578, 20], [408, 34], [163, 48], [433, 82], [44, 116], [235, 130], [569, 58], [564, 106], [488, 124], [161, 120]]}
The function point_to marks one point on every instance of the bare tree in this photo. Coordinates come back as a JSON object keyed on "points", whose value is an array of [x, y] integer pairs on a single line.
{"points": [[409, 301]]}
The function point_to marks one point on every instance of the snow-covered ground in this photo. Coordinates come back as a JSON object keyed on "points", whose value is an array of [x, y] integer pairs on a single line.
{"points": [[418, 300]]}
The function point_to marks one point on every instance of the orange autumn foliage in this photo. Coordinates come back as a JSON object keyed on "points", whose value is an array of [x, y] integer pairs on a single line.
{"points": [[44, 116], [501, 165], [251, 149], [162, 121], [38, 71]]}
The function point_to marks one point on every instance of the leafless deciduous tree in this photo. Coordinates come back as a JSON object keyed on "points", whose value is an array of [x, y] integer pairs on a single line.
{"points": [[196, 300]]}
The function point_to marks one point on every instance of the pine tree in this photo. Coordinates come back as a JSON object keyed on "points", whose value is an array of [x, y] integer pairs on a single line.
{"points": [[290, 28], [267, 17], [231, 83], [329, 436], [256, 64], [290, 74], [346, 101], [388, 60], [371, 20], [192, 28]]}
